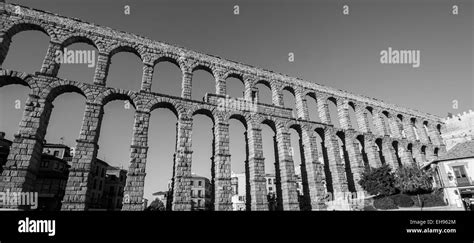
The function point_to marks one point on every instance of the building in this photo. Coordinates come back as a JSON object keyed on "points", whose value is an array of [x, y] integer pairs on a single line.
{"points": [[52, 176], [238, 191], [112, 196], [98, 182], [4, 150], [459, 128], [200, 193], [454, 173], [165, 198]]}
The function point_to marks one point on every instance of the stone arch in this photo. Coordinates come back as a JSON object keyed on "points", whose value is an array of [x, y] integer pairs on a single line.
{"points": [[415, 129], [423, 153], [333, 111], [209, 89], [118, 94], [436, 151], [13, 77], [167, 105], [265, 84], [26, 26], [352, 115], [397, 150], [427, 132], [205, 112], [438, 128], [203, 66], [313, 114], [379, 144], [369, 111], [125, 48], [23, 26], [292, 91], [156, 69], [57, 88], [361, 139], [81, 38], [237, 76], [386, 116], [241, 118]]}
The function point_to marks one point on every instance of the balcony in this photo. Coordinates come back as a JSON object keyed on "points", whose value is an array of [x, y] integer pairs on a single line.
{"points": [[463, 181]]}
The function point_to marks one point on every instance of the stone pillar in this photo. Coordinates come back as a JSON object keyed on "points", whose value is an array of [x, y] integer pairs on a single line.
{"points": [[221, 85], [5, 41], [50, 67], [258, 186], [277, 96], [379, 123], [247, 88], [147, 76], [186, 86], [408, 128], [134, 187], [323, 109], [395, 128], [389, 153], [405, 155], [312, 171], [343, 114], [301, 106], [102, 69], [362, 119], [417, 153], [422, 132], [23, 162], [336, 165], [222, 168], [435, 135], [182, 169], [77, 195], [355, 158], [287, 171], [372, 151]]}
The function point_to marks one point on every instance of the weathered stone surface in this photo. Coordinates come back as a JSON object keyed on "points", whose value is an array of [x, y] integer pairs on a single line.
{"points": [[392, 123]]}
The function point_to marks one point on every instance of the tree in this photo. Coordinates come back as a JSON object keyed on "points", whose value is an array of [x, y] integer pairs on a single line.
{"points": [[414, 180], [156, 205], [378, 181]]}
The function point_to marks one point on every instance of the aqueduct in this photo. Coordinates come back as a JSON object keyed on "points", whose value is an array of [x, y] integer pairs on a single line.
{"points": [[398, 137]]}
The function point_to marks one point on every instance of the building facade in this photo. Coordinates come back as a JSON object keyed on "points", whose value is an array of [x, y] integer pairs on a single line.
{"points": [[454, 173], [4, 150], [115, 178], [200, 193], [53, 175]]}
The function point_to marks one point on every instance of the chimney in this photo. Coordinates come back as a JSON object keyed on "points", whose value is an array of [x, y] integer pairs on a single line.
{"points": [[2, 134]]}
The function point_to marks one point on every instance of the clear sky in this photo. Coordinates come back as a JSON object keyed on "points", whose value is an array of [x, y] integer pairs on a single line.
{"points": [[341, 51]]}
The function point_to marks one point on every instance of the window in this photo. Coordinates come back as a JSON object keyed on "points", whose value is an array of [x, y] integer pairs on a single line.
{"points": [[100, 185], [192, 193], [56, 153], [44, 163], [270, 188], [269, 181], [192, 183], [103, 172], [459, 171], [199, 183], [95, 184], [199, 193], [199, 203]]}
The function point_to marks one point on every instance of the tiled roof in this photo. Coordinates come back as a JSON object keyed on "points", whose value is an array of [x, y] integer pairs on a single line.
{"points": [[461, 150]]}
